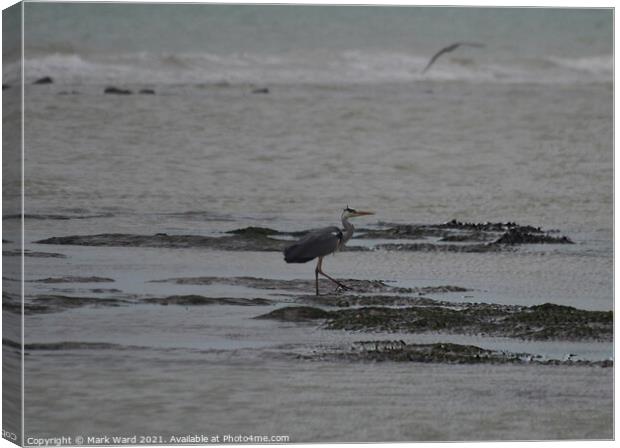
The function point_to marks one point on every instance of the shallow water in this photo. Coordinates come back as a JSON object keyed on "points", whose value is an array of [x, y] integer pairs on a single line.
{"points": [[521, 131]]}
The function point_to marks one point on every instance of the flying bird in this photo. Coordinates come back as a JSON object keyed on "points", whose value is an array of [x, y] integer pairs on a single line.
{"points": [[448, 49], [322, 242]]}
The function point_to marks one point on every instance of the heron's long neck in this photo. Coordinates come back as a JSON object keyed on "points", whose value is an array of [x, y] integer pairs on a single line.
{"points": [[348, 230]]}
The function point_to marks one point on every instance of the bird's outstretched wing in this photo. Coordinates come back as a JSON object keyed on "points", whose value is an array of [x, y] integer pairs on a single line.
{"points": [[316, 243], [448, 49]]}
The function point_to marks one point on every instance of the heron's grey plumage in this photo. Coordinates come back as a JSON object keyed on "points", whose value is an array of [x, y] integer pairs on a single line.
{"points": [[316, 243]]}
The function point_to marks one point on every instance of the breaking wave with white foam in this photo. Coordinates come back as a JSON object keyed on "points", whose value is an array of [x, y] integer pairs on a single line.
{"points": [[311, 68]]}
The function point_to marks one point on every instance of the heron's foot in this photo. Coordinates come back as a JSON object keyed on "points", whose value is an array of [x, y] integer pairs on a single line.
{"points": [[341, 287]]}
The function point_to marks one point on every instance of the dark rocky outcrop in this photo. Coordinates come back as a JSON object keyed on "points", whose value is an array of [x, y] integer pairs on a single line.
{"points": [[201, 300], [73, 279], [54, 303], [488, 226], [555, 322], [256, 231], [117, 91], [441, 352], [542, 322], [33, 254], [465, 237], [60, 302], [44, 80], [266, 239], [69, 345], [428, 247], [65, 345], [44, 217], [515, 236], [51, 303], [348, 300], [232, 243], [296, 314], [299, 285], [551, 321]]}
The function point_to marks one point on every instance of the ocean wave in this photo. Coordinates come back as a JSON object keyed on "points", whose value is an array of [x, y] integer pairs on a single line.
{"points": [[311, 68], [596, 65]]}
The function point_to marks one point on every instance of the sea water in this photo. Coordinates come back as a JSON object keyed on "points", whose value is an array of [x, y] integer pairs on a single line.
{"points": [[518, 130]]}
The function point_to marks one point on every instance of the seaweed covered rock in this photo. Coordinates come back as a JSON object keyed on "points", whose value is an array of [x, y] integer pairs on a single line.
{"points": [[551, 321], [306, 285], [236, 242], [116, 91], [439, 352], [73, 279], [489, 226], [255, 231], [541, 322], [296, 314], [429, 247], [193, 299], [516, 236], [44, 80]]}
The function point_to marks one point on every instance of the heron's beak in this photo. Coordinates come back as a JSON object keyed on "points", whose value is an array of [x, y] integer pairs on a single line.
{"points": [[362, 213]]}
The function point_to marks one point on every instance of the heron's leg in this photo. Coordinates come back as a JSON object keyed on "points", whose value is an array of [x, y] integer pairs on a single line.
{"points": [[320, 271], [316, 274]]}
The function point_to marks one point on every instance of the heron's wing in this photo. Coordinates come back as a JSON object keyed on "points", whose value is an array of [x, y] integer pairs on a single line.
{"points": [[472, 44], [448, 49], [316, 243], [439, 53]]}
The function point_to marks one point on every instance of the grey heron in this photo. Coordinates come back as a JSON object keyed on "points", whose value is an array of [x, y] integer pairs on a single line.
{"points": [[322, 242], [448, 49]]}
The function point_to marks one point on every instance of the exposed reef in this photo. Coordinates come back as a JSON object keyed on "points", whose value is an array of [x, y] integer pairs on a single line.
{"points": [[357, 300], [55, 216], [477, 238], [193, 299], [64, 345], [476, 231], [73, 279], [429, 247], [493, 234], [69, 345], [230, 243], [515, 236], [51, 303], [299, 285], [296, 314], [541, 322], [31, 253], [116, 91], [446, 353], [54, 303], [44, 80], [489, 226]]}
